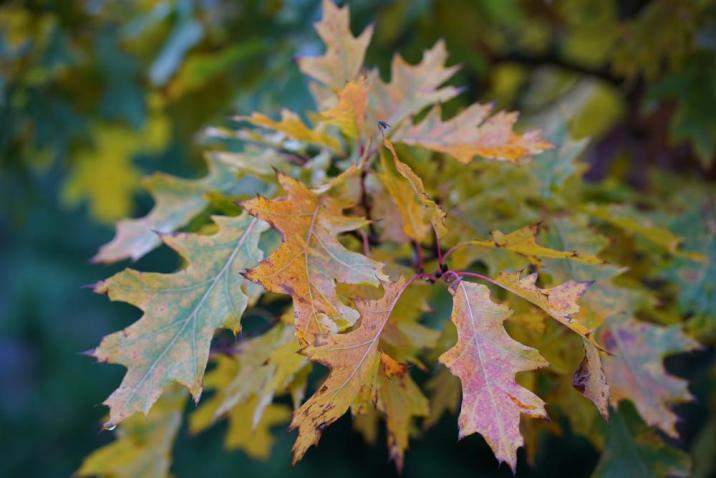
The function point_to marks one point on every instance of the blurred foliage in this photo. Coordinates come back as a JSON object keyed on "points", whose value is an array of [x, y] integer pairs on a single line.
{"points": [[95, 93]]}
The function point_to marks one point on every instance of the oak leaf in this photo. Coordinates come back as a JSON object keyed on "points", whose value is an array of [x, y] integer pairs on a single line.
{"points": [[560, 302], [176, 200], [591, 379], [632, 449], [349, 112], [343, 59], [293, 127], [353, 359], [486, 360], [474, 133], [170, 343], [400, 399], [635, 369], [254, 438], [420, 214], [310, 261], [411, 87], [524, 242]]}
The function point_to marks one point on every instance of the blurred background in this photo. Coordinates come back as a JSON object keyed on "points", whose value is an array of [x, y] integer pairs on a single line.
{"points": [[94, 94]]}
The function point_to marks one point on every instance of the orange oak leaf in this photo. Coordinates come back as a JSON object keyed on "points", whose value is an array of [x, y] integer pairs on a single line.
{"points": [[170, 343], [343, 59], [486, 360], [473, 132], [349, 113], [354, 359], [310, 261], [635, 368]]}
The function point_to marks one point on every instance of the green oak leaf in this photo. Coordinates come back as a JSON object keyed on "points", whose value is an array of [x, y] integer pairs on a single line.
{"points": [[170, 343], [177, 201]]}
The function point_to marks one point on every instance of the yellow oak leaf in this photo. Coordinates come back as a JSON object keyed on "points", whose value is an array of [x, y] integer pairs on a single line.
{"points": [[343, 59], [486, 360], [400, 399], [105, 176], [293, 127], [256, 440], [444, 391], [349, 113], [143, 445], [310, 261], [524, 242], [560, 302], [354, 360], [267, 365], [170, 343], [472, 133], [419, 212]]}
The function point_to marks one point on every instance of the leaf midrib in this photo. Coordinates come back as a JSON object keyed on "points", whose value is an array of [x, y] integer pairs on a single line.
{"points": [[193, 315]]}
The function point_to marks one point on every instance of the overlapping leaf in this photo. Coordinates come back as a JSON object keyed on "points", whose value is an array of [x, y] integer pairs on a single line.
{"points": [[176, 202], [170, 343], [354, 359], [311, 260], [400, 399], [634, 450], [486, 360], [560, 302], [349, 112], [591, 379], [418, 211], [293, 127]]}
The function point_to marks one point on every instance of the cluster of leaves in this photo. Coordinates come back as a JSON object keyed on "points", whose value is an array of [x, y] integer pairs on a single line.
{"points": [[360, 215]]}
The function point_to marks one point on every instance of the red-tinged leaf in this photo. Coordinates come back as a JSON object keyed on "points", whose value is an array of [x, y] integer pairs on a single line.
{"points": [[486, 360]]}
